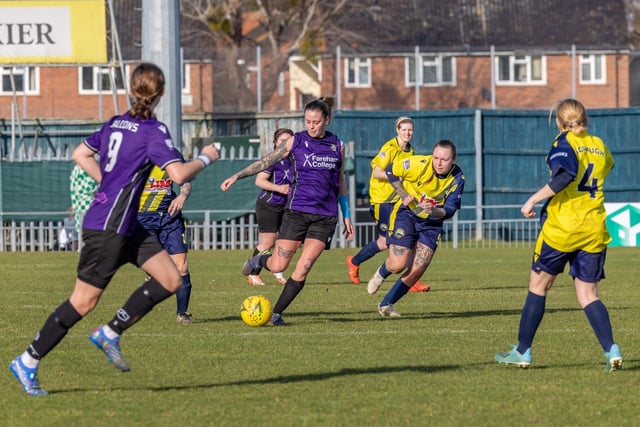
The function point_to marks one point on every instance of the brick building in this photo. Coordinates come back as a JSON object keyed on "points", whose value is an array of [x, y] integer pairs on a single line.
{"points": [[469, 53]]}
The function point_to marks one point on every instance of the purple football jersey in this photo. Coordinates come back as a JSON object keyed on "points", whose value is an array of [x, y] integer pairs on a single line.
{"points": [[280, 174], [316, 174], [128, 149]]}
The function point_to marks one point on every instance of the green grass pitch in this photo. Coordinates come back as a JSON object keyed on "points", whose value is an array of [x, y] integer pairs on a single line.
{"points": [[338, 363]]}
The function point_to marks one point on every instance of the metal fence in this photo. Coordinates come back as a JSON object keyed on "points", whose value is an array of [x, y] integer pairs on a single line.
{"points": [[241, 232]]}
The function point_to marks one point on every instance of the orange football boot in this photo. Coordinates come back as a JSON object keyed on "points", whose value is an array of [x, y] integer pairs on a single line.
{"points": [[353, 271], [419, 287]]}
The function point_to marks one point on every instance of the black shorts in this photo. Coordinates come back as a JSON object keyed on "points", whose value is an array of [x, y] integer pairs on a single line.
{"points": [[104, 252], [269, 216], [299, 226]]}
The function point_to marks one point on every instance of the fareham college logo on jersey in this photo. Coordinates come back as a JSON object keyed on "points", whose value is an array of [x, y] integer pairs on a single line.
{"points": [[286, 172], [315, 161]]}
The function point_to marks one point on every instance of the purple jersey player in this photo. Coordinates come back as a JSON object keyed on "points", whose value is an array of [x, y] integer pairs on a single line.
{"points": [[270, 205], [318, 187], [128, 145]]}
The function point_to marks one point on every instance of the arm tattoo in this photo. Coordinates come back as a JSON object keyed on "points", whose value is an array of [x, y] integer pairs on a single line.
{"points": [[397, 185], [185, 190], [259, 165], [399, 188]]}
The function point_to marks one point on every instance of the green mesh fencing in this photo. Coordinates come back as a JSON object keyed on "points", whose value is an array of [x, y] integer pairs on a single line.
{"points": [[32, 191]]}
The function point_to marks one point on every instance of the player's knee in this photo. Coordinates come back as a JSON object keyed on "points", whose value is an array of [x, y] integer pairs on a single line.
{"points": [[170, 282], [157, 292], [183, 268], [382, 243], [395, 266]]}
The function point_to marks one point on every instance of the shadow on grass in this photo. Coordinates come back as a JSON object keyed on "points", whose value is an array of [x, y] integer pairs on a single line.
{"points": [[337, 316], [346, 372], [288, 379]]}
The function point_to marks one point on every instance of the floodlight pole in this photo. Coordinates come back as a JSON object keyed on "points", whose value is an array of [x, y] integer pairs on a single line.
{"points": [[161, 45]]}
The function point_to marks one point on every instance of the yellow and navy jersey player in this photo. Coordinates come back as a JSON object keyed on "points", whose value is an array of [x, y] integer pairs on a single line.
{"points": [[160, 213], [422, 181], [380, 191], [158, 192], [573, 232], [587, 161]]}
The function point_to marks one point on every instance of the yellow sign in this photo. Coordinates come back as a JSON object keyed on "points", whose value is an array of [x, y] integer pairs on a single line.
{"points": [[48, 32]]}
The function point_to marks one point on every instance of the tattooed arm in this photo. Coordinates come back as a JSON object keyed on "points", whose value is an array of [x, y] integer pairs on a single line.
{"points": [[178, 203], [281, 151], [428, 208]]}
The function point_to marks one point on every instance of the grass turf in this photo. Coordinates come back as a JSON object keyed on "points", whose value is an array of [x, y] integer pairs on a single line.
{"points": [[338, 363]]}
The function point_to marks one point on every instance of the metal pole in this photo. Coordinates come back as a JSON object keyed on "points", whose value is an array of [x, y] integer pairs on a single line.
{"points": [[12, 148], [114, 30], [352, 187], [477, 138], [416, 71], [493, 77], [114, 90], [259, 79], [161, 45], [99, 77], [573, 71], [338, 79]]}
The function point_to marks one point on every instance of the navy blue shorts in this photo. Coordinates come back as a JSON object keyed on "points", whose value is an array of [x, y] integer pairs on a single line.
{"points": [[409, 229], [588, 267], [169, 230], [381, 213], [269, 216], [103, 252]]}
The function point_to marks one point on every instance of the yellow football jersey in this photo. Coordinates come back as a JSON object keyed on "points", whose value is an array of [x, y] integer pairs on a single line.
{"points": [[575, 217], [380, 191], [420, 180], [158, 191]]}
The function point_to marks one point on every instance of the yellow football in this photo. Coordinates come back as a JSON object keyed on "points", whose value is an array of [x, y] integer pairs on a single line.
{"points": [[256, 310]]}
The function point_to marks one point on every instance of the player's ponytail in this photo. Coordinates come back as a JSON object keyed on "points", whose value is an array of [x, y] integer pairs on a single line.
{"points": [[324, 104], [146, 86], [572, 116]]}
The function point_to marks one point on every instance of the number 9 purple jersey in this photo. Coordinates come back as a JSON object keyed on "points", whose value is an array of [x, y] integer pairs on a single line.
{"points": [[128, 148]]}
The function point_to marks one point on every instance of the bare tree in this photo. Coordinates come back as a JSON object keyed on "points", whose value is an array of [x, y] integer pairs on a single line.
{"points": [[632, 9], [282, 28]]}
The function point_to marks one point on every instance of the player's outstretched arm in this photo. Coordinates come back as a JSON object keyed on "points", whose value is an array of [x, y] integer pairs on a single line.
{"points": [[183, 172], [281, 151]]}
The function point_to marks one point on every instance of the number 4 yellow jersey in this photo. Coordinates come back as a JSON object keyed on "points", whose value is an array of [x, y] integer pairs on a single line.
{"points": [[575, 218]]}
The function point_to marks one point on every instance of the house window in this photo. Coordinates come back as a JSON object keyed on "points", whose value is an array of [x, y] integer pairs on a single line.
{"points": [[592, 69], [521, 69], [281, 84], [25, 80], [432, 70], [93, 80], [357, 72], [186, 78]]}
